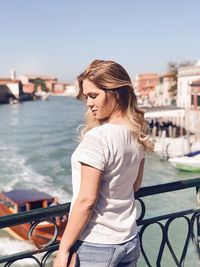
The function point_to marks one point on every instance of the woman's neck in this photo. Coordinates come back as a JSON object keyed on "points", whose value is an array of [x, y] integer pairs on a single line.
{"points": [[116, 118]]}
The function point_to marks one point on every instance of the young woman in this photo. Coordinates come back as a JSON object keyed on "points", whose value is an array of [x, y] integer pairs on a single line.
{"points": [[107, 168]]}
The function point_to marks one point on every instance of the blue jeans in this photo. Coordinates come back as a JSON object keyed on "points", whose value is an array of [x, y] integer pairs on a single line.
{"points": [[100, 255]]}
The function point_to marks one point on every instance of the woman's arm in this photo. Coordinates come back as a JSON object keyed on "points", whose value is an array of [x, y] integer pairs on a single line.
{"points": [[139, 178], [81, 211]]}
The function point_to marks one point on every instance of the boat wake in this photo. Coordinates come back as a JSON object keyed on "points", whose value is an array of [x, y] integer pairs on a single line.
{"points": [[10, 246], [17, 174]]}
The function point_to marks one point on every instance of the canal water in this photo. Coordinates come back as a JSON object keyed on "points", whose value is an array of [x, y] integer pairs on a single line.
{"points": [[36, 142]]}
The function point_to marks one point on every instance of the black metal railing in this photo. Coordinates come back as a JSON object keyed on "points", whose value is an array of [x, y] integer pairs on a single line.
{"points": [[43, 255], [190, 216]]}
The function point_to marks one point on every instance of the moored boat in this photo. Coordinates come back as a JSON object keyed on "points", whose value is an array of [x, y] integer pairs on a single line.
{"points": [[17, 201], [42, 95], [190, 162]]}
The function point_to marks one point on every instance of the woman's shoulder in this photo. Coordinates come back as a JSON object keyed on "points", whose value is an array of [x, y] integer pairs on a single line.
{"points": [[109, 133], [105, 128], [96, 131]]}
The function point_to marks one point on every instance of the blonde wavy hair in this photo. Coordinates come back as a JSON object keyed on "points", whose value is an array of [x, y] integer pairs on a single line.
{"points": [[113, 79]]}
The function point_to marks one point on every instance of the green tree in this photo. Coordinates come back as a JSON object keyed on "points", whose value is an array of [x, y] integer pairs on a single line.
{"points": [[40, 83], [173, 70]]}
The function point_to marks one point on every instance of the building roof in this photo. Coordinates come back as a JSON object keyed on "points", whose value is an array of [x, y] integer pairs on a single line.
{"points": [[166, 74], [5, 78], [189, 71], [148, 75], [8, 80], [21, 196], [196, 83], [38, 76]]}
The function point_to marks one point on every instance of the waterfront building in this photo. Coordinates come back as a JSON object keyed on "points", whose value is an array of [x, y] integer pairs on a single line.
{"points": [[13, 90], [161, 96], [145, 84], [59, 88], [10, 90], [193, 113], [48, 81], [188, 96], [29, 88], [71, 90], [5, 94], [186, 75], [195, 95]]}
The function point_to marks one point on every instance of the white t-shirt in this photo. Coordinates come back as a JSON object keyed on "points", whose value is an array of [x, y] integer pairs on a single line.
{"points": [[112, 149]]}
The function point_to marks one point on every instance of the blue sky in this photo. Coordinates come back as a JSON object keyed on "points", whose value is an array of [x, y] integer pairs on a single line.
{"points": [[61, 37]]}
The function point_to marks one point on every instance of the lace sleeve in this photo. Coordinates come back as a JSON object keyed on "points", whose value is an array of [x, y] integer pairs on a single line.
{"points": [[93, 151]]}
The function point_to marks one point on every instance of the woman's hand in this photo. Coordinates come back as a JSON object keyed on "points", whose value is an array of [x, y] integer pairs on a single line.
{"points": [[61, 259]]}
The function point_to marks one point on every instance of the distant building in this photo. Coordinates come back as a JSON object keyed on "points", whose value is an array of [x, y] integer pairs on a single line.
{"points": [[5, 95], [145, 84], [71, 90], [193, 113], [162, 96], [186, 76], [29, 88], [195, 95], [49, 81], [14, 86], [13, 90], [59, 88]]}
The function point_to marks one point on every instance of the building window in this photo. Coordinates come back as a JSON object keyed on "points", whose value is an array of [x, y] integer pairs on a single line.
{"points": [[22, 208], [192, 100], [198, 100]]}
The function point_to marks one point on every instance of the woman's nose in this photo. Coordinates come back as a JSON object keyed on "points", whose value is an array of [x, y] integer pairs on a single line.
{"points": [[89, 102]]}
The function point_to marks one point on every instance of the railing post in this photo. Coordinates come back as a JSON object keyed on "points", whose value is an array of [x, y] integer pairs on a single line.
{"points": [[198, 222], [198, 196]]}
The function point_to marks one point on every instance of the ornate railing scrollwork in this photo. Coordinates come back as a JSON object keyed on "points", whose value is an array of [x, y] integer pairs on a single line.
{"points": [[32, 234], [195, 219], [142, 209], [164, 222], [49, 255]]}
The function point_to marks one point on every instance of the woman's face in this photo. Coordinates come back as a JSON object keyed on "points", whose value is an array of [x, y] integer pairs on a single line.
{"points": [[100, 104]]}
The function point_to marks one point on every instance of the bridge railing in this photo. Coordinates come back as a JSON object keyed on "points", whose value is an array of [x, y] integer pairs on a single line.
{"points": [[190, 221], [43, 255]]}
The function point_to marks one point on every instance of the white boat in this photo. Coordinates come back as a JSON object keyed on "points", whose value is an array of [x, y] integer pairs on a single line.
{"points": [[190, 162], [42, 95], [166, 147]]}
